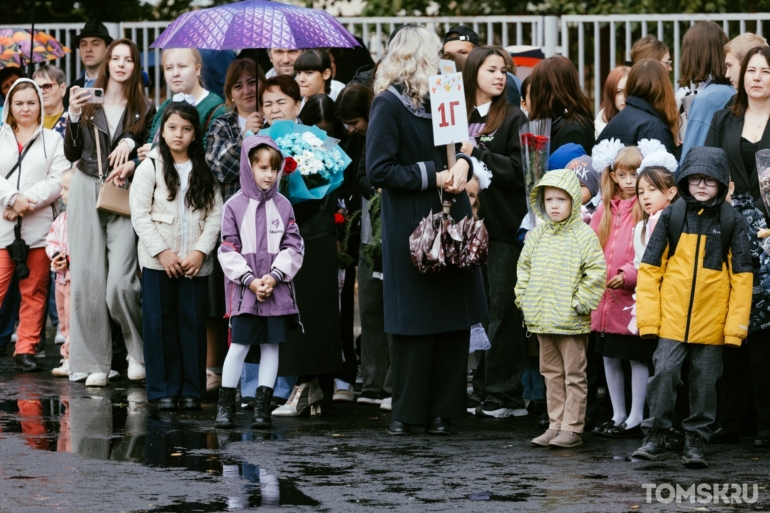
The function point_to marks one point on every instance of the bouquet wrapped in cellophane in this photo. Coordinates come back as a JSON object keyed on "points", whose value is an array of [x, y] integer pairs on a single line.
{"points": [[314, 154], [535, 149]]}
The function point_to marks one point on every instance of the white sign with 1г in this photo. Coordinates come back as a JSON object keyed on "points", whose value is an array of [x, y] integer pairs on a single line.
{"points": [[447, 105]]}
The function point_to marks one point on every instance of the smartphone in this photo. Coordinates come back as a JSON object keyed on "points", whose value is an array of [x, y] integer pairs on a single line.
{"points": [[97, 94]]}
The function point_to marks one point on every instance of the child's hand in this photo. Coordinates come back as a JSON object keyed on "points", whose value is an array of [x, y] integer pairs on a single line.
{"points": [[191, 265], [268, 284], [59, 263], [254, 286], [617, 281], [171, 263]]}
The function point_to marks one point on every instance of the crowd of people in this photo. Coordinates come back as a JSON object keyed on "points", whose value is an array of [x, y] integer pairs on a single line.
{"points": [[636, 263]]}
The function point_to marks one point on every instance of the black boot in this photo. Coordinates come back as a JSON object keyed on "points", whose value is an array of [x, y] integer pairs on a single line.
{"points": [[694, 455], [653, 445], [225, 408], [262, 408], [27, 363]]}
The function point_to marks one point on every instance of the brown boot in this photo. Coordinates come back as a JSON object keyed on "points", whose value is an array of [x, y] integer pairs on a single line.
{"points": [[567, 440], [542, 440]]}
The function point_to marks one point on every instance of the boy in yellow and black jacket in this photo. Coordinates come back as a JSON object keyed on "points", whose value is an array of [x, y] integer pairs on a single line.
{"points": [[694, 293]]}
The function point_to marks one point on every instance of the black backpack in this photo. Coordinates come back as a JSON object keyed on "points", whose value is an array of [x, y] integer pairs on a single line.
{"points": [[676, 225]]}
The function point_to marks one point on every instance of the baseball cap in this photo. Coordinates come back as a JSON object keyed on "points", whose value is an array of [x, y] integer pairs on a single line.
{"points": [[461, 33]]}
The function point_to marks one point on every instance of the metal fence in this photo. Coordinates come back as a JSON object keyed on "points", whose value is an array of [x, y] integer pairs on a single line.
{"points": [[595, 44]]}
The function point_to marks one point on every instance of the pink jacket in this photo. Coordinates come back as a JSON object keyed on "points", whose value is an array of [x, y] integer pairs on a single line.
{"points": [[614, 312], [58, 242]]}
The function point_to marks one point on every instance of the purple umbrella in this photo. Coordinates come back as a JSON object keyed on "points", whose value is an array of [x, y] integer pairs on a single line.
{"points": [[255, 24]]}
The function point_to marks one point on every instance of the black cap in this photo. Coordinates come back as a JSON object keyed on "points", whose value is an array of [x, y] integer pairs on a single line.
{"points": [[461, 33], [93, 29]]}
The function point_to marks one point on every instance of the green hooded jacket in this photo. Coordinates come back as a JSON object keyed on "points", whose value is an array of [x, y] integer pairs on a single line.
{"points": [[561, 269]]}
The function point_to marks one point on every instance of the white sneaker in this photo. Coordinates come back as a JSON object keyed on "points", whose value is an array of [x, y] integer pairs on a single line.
{"points": [[136, 371], [63, 371], [14, 337], [97, 379], [77, 377], [60, 339], [213, 381], [387, 404], [343, 394]]}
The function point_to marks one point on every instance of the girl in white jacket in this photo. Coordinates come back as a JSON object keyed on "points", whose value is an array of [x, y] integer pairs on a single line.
{"points": [[31, 164], [175, 210]]}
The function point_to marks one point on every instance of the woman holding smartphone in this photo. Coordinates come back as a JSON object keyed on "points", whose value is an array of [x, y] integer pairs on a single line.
{"points": [[104, 284]]}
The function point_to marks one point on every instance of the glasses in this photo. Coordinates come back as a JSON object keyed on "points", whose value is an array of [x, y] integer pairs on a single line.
{"points": [[696, 180], [46, 88], [667, 62]]}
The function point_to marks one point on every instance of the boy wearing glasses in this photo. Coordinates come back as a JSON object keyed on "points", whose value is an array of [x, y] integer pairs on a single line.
{"points": [[694, 294]]}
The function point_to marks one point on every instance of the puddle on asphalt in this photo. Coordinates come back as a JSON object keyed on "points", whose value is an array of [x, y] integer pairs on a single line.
{"points": [[96, 427]]}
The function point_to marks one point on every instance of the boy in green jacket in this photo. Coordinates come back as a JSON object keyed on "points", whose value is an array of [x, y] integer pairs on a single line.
{"points": [[561, 278]]}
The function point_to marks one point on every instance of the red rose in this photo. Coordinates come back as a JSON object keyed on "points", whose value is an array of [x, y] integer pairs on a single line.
{"points": [[289, 166], [339, 218], [541, 141]]}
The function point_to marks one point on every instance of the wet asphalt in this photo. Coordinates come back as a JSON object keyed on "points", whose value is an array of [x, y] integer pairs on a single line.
{"points": [[65, 447]]}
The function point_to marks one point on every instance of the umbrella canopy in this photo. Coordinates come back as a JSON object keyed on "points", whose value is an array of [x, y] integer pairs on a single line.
{"points": [[255, 24], [15, 43], [525, 58]]}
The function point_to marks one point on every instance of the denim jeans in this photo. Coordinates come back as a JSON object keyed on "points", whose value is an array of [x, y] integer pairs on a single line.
{"points": [[250, 378]]}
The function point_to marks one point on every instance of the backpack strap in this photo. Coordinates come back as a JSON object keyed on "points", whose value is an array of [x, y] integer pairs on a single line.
{"points": [[727, 221], [676, 225], [211, 114]]}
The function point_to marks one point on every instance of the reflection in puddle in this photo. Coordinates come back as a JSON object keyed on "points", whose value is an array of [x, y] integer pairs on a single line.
{"points": [[95, 427]]}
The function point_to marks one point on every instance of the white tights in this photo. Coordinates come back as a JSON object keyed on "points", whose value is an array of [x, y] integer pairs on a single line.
{"points": [[640, 373], [236, 355]]}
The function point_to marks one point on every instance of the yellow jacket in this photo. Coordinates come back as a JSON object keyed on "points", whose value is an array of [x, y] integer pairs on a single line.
{"points": [[695, 296]]}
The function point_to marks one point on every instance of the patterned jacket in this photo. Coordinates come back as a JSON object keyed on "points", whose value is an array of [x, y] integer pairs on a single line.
{"points": [[223, 152], [561, 269]]}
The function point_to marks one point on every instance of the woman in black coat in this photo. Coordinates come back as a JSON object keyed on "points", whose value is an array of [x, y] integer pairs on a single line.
{"points": [[650, 111], [555, 93], [741, 132], [429, 315]]}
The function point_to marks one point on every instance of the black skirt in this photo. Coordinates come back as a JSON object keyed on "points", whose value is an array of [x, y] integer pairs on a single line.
{"points": [[216, 293], [252, 330], [625, 347]]}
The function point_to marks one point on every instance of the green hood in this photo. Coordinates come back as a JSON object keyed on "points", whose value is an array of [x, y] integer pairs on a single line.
{"points": [[563, 179]]}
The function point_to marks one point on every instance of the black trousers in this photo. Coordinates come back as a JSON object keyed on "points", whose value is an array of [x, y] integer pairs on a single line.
{"points": [[429, 376], [174, 332], [746, 384], [347, 317], [499, 369]]}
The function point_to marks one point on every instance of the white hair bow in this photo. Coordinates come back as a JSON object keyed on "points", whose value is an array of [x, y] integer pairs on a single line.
{"points": [[660, 158], [603, 154], [485, 175], [181, 97], [650, 146]]}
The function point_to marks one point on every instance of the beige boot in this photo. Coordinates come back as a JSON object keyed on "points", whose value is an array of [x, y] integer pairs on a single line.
{"points": [[542, 440], [567, 440]]}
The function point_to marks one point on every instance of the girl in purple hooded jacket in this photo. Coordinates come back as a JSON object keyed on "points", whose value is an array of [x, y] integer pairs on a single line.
{"points": [[261, 252]]}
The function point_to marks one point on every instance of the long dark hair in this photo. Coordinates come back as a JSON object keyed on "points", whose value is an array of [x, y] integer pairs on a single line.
{"points": [[703, 54], [318, 109], [662, 179], [132, 88], [648, 80], [200, 195], [354, 101], [500, 106], [315, 60], [610, 91], [555, 91], [742, 98]]}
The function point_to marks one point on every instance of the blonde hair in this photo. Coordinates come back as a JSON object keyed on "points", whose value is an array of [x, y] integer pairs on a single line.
{"points": [[629, 159], [196, 56], [411, 59], [739, 46]]}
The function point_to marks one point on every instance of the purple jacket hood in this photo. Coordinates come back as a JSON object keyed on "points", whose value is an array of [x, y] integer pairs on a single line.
{"points": [[248, 185]]}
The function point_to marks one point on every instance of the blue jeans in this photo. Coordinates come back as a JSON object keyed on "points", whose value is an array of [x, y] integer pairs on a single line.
{"points": [[250, 379], [534, 384]]}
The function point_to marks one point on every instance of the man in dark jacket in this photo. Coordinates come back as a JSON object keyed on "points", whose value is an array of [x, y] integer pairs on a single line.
{"points": [[92, 43]]}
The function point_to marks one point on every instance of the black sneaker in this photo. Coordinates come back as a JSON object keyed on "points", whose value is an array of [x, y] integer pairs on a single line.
{"points": [[369, 397], [653, 446], [694, 455], [472, 405]]}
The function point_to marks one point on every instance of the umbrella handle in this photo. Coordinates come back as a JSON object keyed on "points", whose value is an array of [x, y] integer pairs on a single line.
{"points": [[446, 206]]}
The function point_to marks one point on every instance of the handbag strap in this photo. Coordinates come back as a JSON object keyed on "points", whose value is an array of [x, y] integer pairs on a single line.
{"points": [[18, 162], [99, 153]]}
